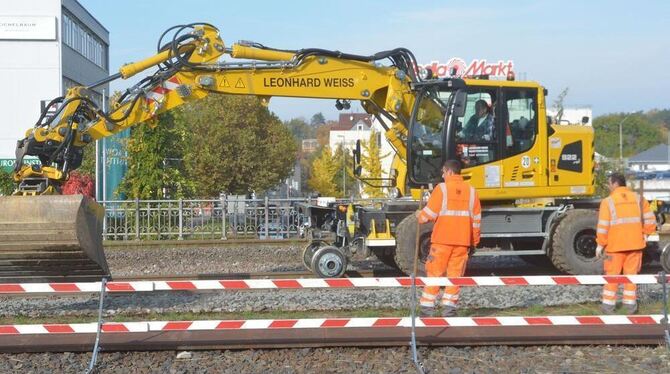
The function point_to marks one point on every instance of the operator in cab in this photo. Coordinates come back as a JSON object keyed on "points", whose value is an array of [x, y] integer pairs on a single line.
{"points": [[456, 210], [624, 222], [480, 126]]}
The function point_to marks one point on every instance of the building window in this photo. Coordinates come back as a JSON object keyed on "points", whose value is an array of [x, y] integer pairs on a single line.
{"points": [[77, 37]]}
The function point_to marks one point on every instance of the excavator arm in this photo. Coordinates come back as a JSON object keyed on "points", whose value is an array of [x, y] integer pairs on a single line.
{"points": [[189, 67], [52, 238]]}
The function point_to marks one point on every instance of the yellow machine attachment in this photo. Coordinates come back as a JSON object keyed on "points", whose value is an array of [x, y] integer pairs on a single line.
{"points": [[46, 236], [49, 238]]}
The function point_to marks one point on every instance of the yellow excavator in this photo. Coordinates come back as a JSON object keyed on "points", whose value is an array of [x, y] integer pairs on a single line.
{"points": [[527, 170]]}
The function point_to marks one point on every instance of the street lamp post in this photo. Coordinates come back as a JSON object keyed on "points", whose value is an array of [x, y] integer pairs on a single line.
{"points": [[621, 141], [344, 167]]}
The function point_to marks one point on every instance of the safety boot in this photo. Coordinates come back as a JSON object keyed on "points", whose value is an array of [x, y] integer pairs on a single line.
{"points": [[448, 311], [427, 311], [631, 308], [607, 308]]}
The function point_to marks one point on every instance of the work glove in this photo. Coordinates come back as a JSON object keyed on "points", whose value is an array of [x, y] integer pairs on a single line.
{"points": [[419, 216], [600, 251]]}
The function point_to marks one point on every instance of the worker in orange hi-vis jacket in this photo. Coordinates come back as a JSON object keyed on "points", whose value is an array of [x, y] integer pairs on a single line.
{"points": [[624, 222], [456, 210]]}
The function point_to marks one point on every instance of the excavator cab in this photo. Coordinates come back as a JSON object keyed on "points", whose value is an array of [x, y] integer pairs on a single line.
{"points": [[499, 131]]}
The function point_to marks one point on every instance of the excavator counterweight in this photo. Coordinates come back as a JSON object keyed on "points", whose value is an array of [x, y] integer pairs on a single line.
{"points": [[49, 238]]}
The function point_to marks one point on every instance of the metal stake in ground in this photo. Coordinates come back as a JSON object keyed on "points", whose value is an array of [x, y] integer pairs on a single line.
{"points": [[415, 354], [662, 277], [96, 347]]}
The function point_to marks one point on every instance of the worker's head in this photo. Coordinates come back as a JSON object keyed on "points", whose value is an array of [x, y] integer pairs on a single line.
{"points": [[616, 180], [451, 167], [481, 108]]}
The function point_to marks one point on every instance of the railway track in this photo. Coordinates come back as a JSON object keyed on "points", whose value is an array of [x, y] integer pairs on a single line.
{"points": [[651, 334]]}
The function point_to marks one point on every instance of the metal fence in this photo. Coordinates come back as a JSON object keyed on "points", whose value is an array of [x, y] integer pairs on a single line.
{"points": [[210, 219], [203, 219]]}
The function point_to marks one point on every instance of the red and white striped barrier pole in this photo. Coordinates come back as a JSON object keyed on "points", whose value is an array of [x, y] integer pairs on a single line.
{"points": [[326, 323], [305, 283]]}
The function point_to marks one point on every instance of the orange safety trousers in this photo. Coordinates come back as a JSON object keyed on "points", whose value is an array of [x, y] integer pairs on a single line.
{"points": [[630, 263], [444, 259]]}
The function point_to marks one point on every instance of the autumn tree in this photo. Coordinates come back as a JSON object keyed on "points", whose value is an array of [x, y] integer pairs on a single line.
{"points": [[558, 104], [323, 172], [322, 133], [344, 174], [371, 163], [234, 144]]}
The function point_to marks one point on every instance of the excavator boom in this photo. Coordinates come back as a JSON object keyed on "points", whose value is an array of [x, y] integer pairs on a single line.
{"points": [[48, 237]]}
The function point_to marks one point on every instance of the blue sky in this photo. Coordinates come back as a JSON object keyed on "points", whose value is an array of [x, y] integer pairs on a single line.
{"points": [[613, 55]]}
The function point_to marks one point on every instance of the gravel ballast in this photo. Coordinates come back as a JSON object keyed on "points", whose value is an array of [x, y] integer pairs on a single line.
{"points": [[551, 359], [265, 258], [254, 257]]}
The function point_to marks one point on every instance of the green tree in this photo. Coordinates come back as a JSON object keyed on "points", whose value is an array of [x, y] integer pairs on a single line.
{"points": [[299, 128], [88, 162], [660, 117], [234, 144], [603, 170], [323, 172], [639, 133], [7, 185], [152, 172], [371, 163], [317, 120]]}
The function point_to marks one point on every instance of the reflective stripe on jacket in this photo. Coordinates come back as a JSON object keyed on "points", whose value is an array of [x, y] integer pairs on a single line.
{"points": [[456, 210], [621, 225]]}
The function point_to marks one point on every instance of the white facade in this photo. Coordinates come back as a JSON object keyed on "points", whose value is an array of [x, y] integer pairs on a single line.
{"points": [[362, 132], [36, 65], [573, 115], [30, 71]]}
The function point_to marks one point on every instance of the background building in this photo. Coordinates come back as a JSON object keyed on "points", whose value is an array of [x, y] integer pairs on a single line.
{"points": [[651, 168], [574, 115], [48, 46]]}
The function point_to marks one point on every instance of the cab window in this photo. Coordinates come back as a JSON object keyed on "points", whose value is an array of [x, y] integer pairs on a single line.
{"points": [[477, 131], [427, 143], [520, 114]]}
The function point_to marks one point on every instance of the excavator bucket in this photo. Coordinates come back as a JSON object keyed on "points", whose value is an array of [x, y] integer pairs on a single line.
{"points": [[51, 238]]}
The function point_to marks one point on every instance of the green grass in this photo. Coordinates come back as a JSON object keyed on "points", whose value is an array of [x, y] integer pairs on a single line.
{"points": [[536, 310]]}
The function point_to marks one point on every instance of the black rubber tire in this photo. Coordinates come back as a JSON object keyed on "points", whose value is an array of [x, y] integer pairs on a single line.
{"points": [[308, 253], [665, 258], [573, 243], [405, 238], [329, 262], [539, 261]]}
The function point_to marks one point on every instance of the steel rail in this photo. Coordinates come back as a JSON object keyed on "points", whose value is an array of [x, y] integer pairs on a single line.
{"points": [[338, 337]]}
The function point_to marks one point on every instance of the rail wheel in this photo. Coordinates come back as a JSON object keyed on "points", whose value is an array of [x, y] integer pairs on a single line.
{"points": [[573, 247], [308, 253], [329, 262], [405, 238]]}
